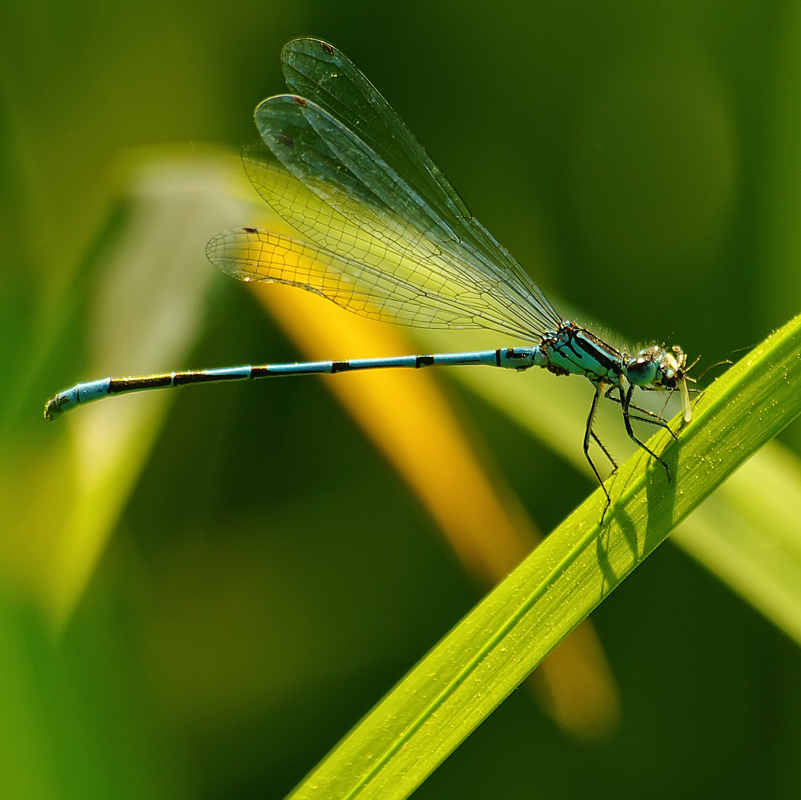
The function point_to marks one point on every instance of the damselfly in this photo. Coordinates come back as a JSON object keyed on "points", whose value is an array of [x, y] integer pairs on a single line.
{"points": [[387, 237]]}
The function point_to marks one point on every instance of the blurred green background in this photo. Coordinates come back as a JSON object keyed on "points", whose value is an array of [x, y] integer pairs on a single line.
{"points": [[267, 577]]}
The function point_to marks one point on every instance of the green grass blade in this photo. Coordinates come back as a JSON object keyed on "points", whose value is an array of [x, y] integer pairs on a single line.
{"points": [[450, 692]]}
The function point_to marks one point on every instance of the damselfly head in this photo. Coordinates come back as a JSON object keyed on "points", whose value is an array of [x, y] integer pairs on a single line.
{"points": [[655, 367]]}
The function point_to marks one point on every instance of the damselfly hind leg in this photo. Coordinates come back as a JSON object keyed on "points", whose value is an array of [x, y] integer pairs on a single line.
{"points": [[605, 451], [625, 403], [589, 434]]}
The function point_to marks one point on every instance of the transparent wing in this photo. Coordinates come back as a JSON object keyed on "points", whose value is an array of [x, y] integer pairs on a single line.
{"points": [[408, 293], [379, 245], [322, 74]]}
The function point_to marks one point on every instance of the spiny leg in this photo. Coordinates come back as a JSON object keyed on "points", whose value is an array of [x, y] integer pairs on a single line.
{"points": [[588, 435], [625, 403], [605, 451]]}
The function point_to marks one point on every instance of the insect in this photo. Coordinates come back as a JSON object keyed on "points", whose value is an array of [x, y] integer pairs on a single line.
{"points": [[386, 236]]}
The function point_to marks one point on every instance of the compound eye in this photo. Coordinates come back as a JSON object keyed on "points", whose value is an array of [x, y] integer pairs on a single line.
{"points": [[642, 371]]}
